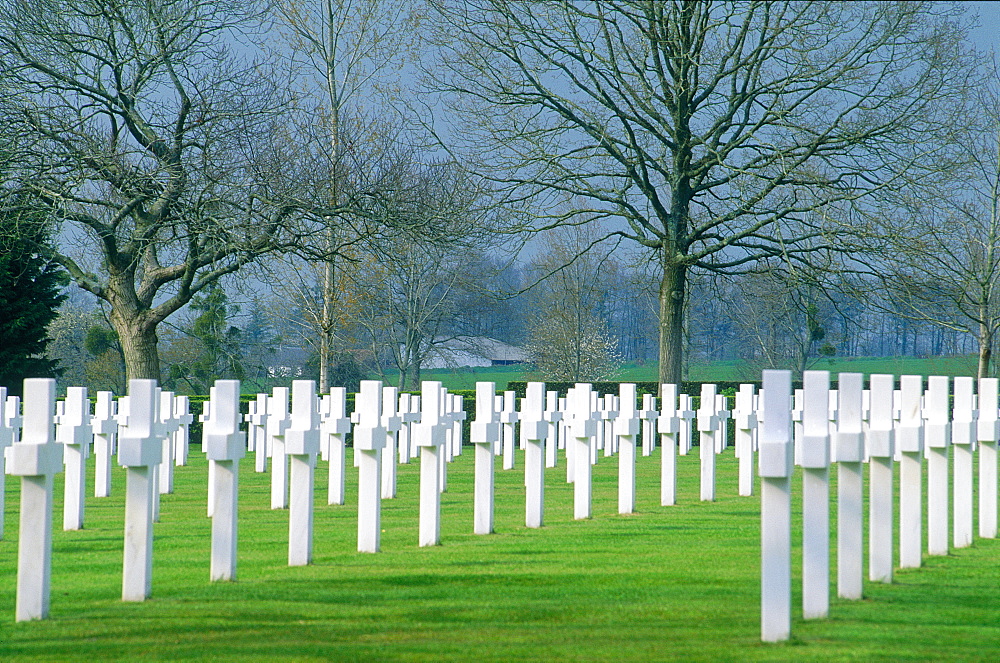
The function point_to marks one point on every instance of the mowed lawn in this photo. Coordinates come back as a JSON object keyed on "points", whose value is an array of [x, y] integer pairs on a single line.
{"points": [[666, 583], [466, 378]]}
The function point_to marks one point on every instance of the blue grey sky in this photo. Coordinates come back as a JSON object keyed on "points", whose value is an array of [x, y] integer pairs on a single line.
{"points": [[987, 35]]}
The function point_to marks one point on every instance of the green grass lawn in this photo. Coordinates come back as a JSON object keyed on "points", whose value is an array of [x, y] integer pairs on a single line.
{"points": [[666, 583], [732, 370], [466, 378]]}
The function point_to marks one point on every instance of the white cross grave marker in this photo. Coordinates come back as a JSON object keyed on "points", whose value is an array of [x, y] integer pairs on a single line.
{"points": [[626, 430], [458, 416], [448, 421], [204, 418], [881, 447], [553, 416], [937, 437], [988, 432], [581, 428], [337, 426], [484, 432], [508, 421], [225, 446], [182, 411], [168, 426], [75, 433], [12, 417], [816, 494], [534, 430], [251, 429], [414, 418], [562, 423], [724, 414], [138, 452], [708, 424], [648, 415], [746, 428], [775, 457], [910, 442], [686, 415], [668, 425], [36, 457], [403, 437], [797, 397], [278, 421], [105, 428], [963, 434], [6, 440], [849, 453], [258, 423], [444, 421], [369, 440], [609, 414], [393, 423], [597, 443], [429, 435], [567, 404], [897, 412], [301, 444]]}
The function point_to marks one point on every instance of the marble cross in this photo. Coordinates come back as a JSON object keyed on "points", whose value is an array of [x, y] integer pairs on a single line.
{"points": [[36, 457], [484, 433], [74, 431], [301, 446], [225, 445], [369, 441], [139, 451], [775, 459]]}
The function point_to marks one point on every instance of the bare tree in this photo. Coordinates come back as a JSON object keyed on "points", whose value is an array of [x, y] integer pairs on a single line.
{"points": [[160, 150], [782, 318], [409, 292], [943, 264], [949, 273], [297, 303], [352, 50], [712, 134], [569, 336]]}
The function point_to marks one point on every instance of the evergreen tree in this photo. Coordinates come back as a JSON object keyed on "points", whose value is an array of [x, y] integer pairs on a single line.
{"points": [[30, 294], [216, 351]]}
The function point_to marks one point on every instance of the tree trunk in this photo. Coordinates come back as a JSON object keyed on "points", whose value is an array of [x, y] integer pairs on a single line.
{"points": [[415, 376], [139, 346], [324, 362], [671, 300], [985, 350], [326, 321]]}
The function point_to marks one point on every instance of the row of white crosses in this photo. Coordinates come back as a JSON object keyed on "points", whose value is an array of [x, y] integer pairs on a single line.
{"points": [[905, 425], [584, 424], [145, 425], [295, 437], [148, 420], [76, 428], [49, 435], [429, 424]]}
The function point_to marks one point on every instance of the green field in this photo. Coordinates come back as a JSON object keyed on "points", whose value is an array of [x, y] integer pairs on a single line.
{"points": [[666, 583], [465, 378], [950, 365]]}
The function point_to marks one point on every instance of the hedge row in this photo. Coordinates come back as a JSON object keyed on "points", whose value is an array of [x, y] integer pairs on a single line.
{"points": [[725, 387]]}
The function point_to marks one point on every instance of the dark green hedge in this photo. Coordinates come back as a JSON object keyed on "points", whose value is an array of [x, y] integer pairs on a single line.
{"points": [[727, 387]]}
